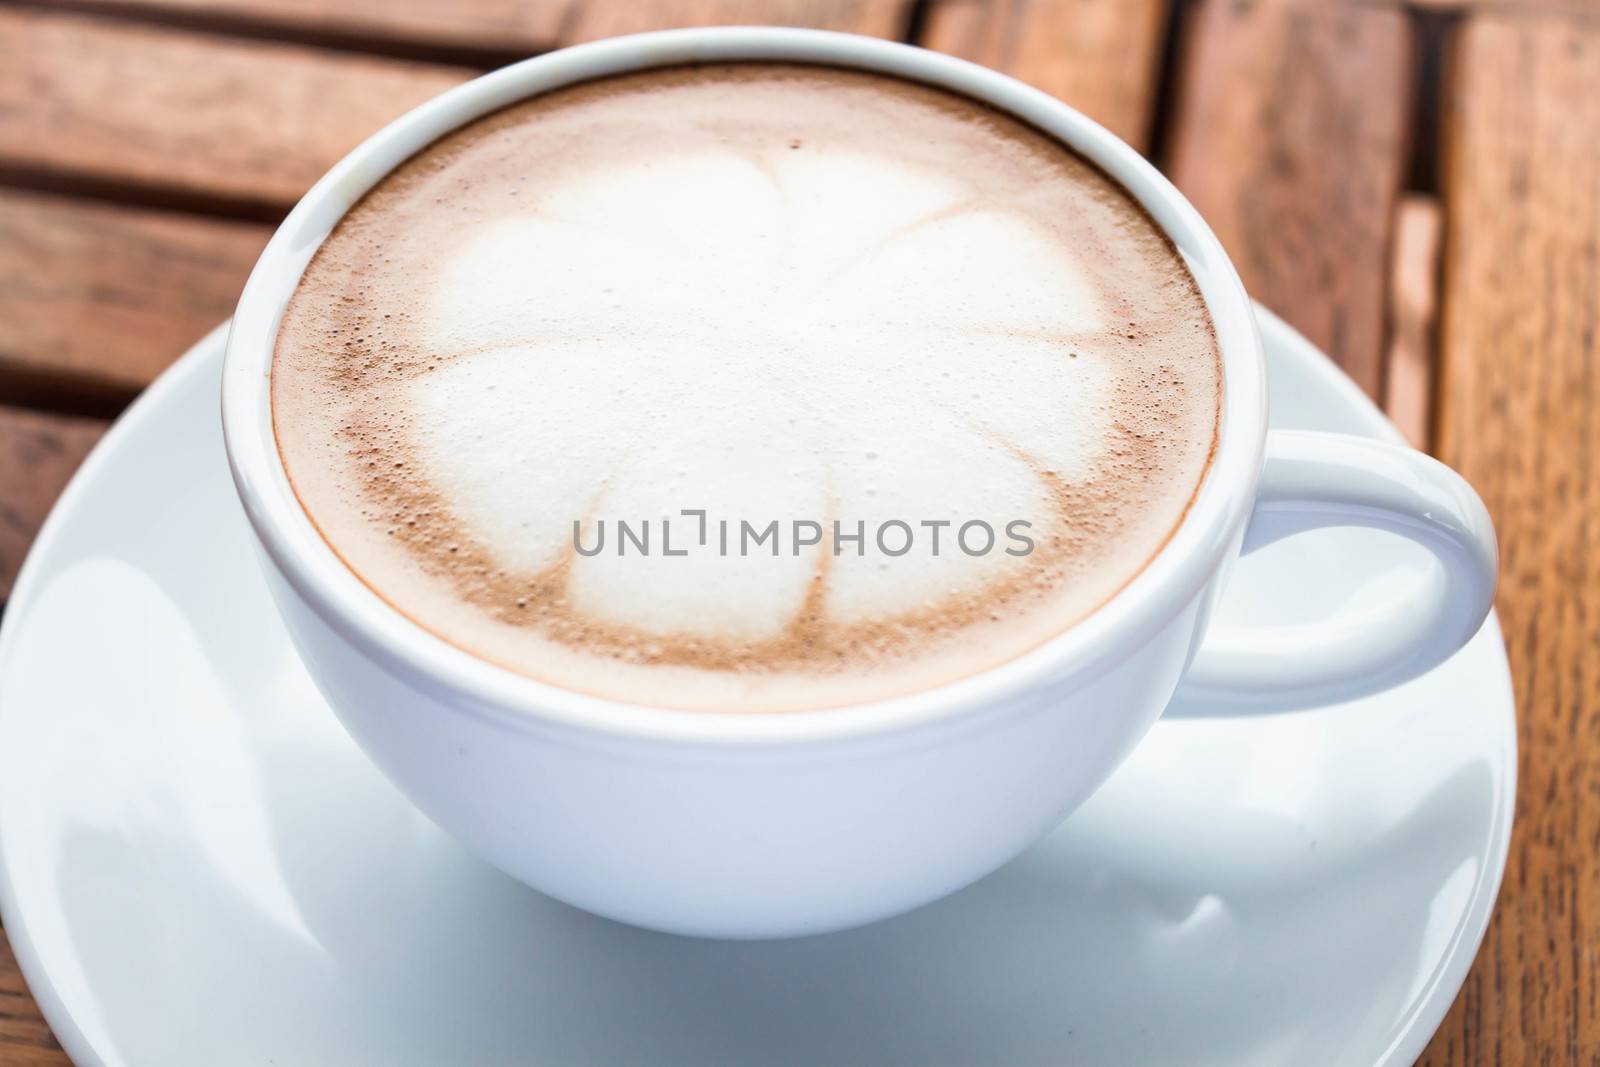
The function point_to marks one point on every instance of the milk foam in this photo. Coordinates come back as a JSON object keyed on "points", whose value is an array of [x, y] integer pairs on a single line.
{"points": [[766, 294]]}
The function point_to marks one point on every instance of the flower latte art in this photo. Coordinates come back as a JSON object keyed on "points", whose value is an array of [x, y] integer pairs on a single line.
{"points": [[533, 380]]}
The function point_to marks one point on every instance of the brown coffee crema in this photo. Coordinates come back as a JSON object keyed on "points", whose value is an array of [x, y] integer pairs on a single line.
{"points": [[541, 384]]}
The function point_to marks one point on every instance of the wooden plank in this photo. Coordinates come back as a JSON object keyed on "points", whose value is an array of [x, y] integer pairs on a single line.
{"points": [[1100, 56], [498, 26], [509, 26], [1290, 136], [188, 114], [38, 453], [247, 125], [1518, 415], [25, 1040], [590, 20], [1413, 318], [1565, 8], [97, 299]]}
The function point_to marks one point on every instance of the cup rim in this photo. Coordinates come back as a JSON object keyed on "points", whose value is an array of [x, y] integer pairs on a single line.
{"points": [[1175, 576]]}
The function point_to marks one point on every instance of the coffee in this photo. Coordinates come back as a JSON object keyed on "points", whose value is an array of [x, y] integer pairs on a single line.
{"points": [[746, 387]]}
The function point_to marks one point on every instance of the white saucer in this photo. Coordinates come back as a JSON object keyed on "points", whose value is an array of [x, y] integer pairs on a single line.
{"points": [[197, 867]]}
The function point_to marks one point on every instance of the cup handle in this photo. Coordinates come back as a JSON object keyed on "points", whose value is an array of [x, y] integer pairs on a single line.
{"points": [[1313, 480]]}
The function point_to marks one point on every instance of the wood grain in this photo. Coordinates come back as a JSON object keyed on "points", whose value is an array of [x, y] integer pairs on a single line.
{"points": [[1100, 56], [509, 26], [1581, 9], [97, 299], [38, 453], [504, 27], [25, 1040], [185, 114], [1290, 135], [1413, 318], [1519, 415], [593, 20]]}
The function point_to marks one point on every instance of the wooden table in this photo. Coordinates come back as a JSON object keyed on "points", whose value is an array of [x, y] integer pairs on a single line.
{"points": [[1416, 186]]}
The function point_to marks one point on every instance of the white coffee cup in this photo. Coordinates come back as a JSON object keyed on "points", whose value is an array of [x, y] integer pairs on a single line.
{"points": [[770, 825]]}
